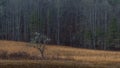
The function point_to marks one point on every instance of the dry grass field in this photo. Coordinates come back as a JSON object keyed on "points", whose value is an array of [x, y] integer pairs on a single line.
{"points": [[58, 57]]}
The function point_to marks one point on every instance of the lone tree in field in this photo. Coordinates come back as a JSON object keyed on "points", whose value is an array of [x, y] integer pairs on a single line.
{"points": [[40, 40]]}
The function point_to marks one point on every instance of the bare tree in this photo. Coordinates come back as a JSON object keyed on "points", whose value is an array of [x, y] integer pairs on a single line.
{"points": [[40, 41]]}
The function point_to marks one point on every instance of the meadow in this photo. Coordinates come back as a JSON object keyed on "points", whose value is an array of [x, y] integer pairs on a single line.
{"points": [[21, 55]]}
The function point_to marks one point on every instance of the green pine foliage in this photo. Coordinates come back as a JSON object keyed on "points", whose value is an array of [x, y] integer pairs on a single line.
{"points": [[113, 34]]}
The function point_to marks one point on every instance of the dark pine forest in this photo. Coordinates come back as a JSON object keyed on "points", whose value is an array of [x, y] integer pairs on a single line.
{"points": [[93, 24]]}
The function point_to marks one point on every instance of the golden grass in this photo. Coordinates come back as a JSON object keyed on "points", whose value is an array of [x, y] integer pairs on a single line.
{"points": [[62, 52], [95, 57], [12, 47], [84, 54]]}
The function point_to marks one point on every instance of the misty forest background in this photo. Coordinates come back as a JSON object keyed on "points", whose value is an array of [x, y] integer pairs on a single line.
{"points": [[93, 24]]}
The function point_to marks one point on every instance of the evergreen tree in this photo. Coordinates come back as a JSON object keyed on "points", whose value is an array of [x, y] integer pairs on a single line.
{"points": [[112, 33]]}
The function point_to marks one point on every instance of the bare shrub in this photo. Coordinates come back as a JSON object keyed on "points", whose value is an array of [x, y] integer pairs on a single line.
{"points": [[40, 40]]}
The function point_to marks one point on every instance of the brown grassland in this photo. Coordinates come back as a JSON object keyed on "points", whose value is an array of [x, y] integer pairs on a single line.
{"points": [[57, 57]]}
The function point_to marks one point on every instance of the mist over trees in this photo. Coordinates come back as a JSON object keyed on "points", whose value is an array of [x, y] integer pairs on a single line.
{"points": [[79, 23]]}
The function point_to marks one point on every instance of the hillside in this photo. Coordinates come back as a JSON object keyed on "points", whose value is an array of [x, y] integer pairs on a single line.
{"points": [[66, 54], [61, 51]]}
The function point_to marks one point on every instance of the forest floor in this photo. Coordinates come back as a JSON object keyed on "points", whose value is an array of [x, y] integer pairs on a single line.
{"points": [[56, 57]]}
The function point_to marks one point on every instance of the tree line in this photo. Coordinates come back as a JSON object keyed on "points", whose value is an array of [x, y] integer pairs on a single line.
{"points": [[79, 23]]}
